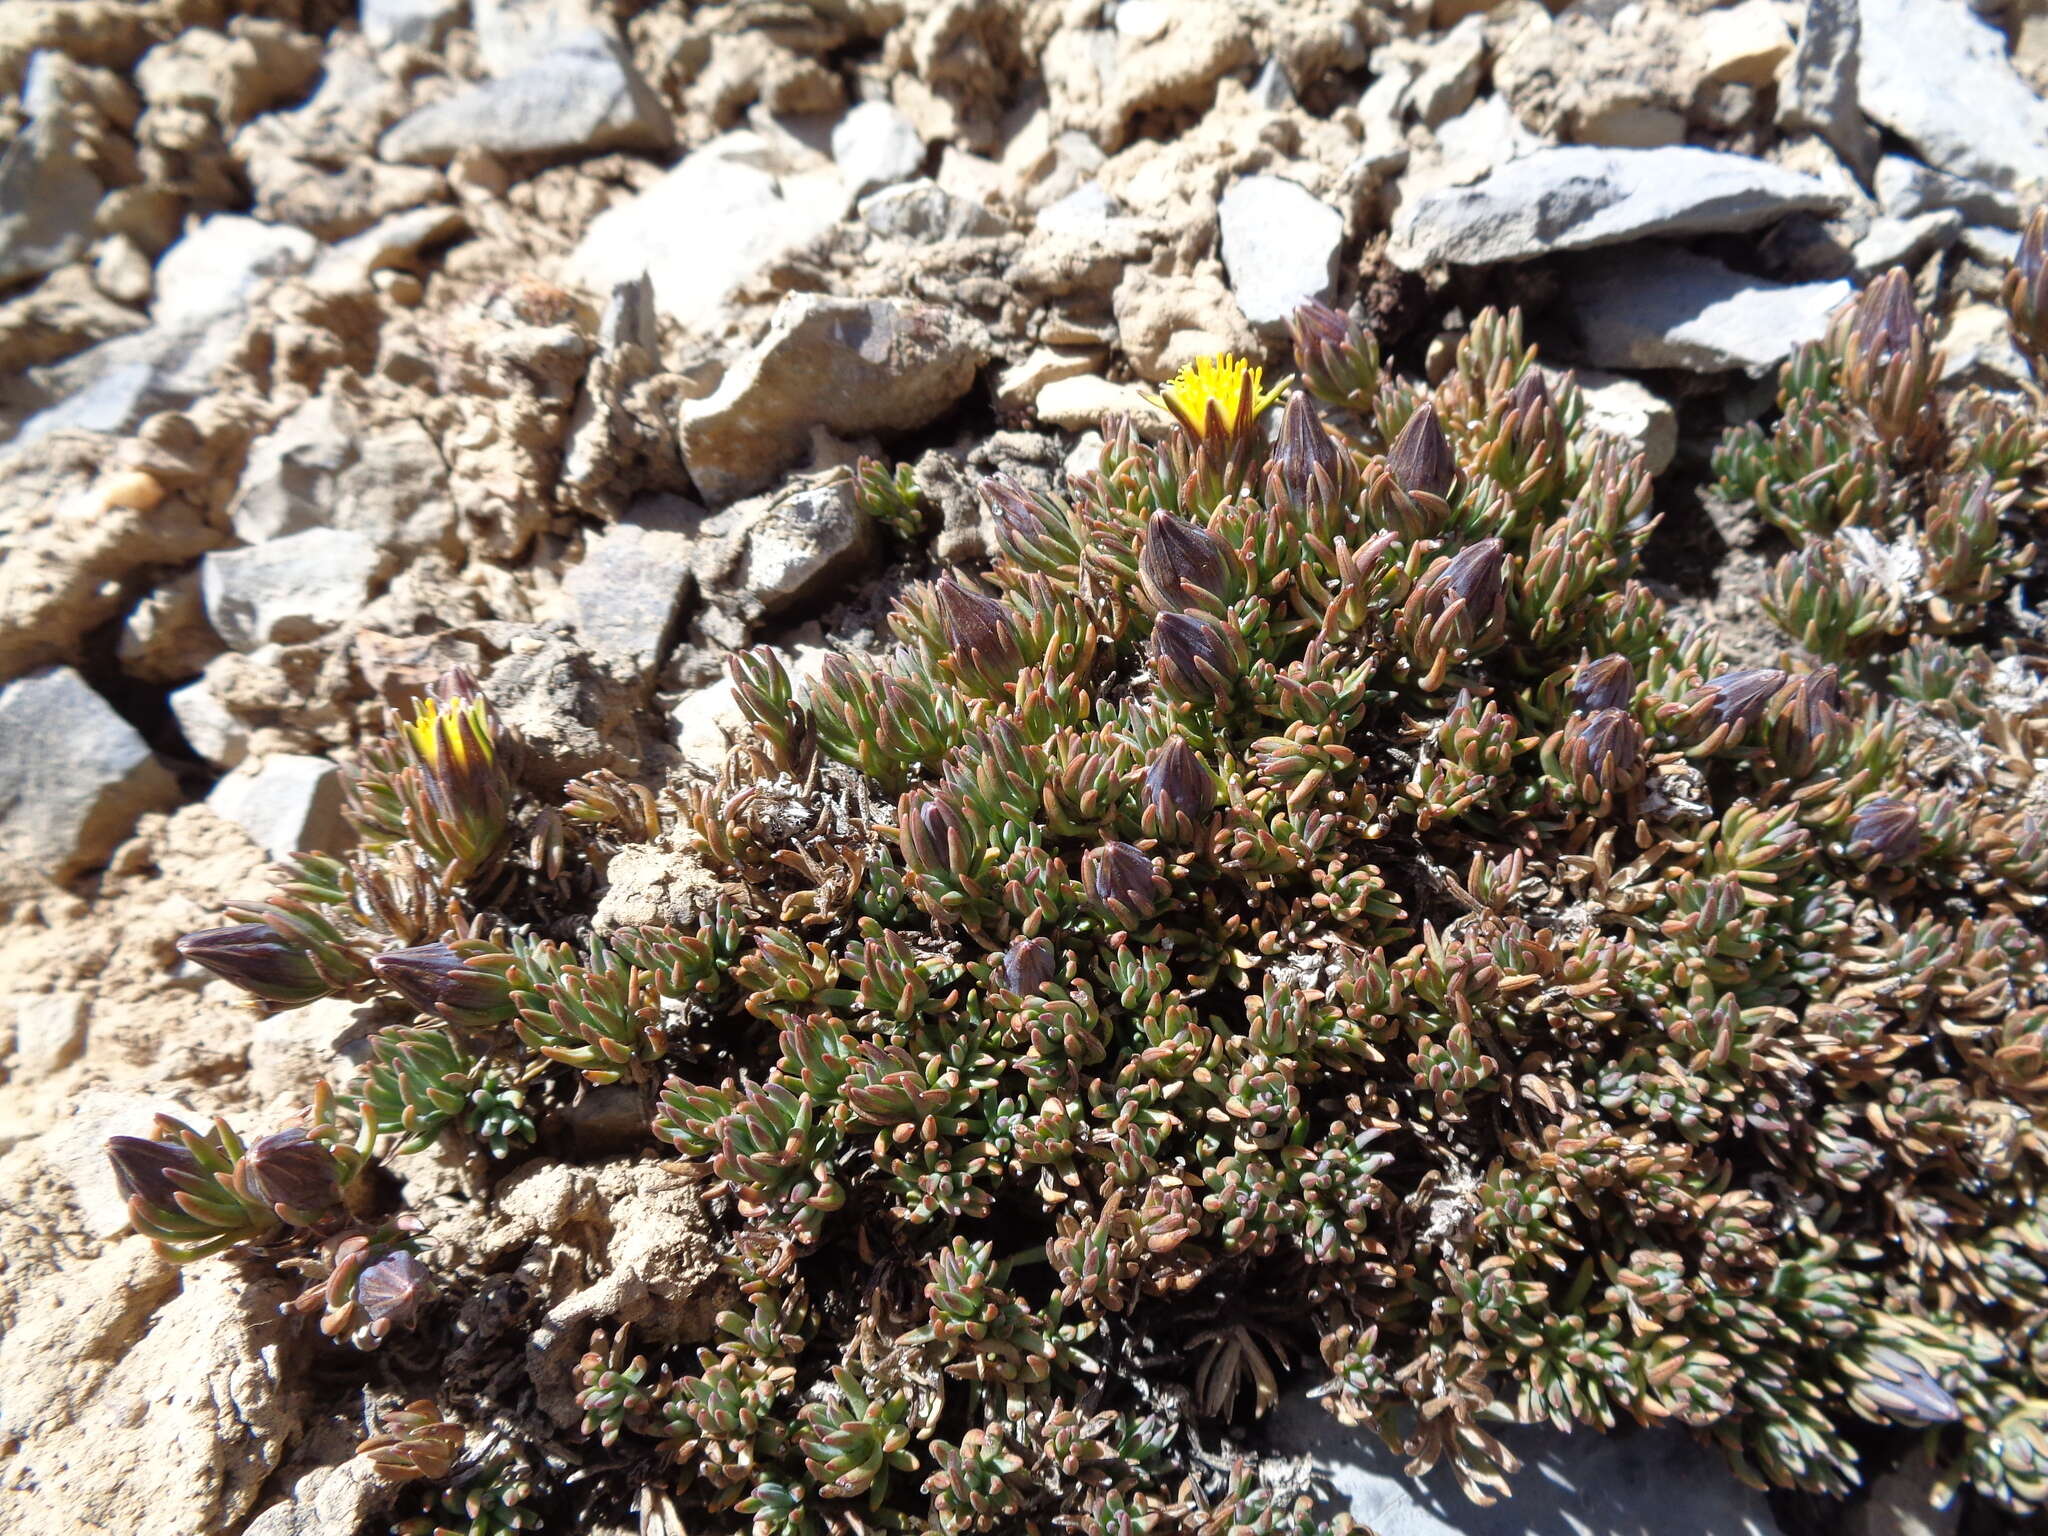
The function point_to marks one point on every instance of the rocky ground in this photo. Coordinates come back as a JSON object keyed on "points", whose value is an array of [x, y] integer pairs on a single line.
{"points": [[339, 346]]}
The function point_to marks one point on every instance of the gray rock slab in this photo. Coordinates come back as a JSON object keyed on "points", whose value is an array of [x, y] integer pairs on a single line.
{"points": [[47, 198], [875, 145], [709, 225], [207, 725], [922, 212], [852, 366], [422, 23], [287, 483], [73, 778], [1905, 189], [1938, 75], [1662, 308], [289, 803], [290, 589], [627, 593], [1893, 242], [1574, 197], [584, 97], [1280, 245], [49, 1031], [1819, 90], [1647, 1482]]}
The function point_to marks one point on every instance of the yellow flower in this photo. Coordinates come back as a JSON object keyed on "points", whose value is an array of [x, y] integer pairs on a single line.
{"points": [[453, 734], [1230, 384]]}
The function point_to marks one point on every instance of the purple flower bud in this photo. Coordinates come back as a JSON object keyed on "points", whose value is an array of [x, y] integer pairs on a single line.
{"points": [[1606, 683], [436, 979], [1531, 395], [1193, 657], [1315, 321], [254, 958], [1181, 565], [931, 830], [143, 1169], [1477, 574], [394, 1291], [1903, 1389], [1420, 459], [293, 1174], [1180, 791], [981, 633], [1013, 509], [1028, 965], [1886, 829], [1886, 318], [1737, 699], [1605, 747], [1306, 451], [1118, 879]]}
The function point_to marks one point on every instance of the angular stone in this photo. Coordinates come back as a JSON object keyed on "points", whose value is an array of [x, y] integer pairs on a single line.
{"points": [[626, 594], [1019, 385], [851, 366], [875, 145], [772, 553], [1938, 76], [287, 483], [1906, 242], [1082, 401], [1654, 308], [584, 97], [208, 726], [921, 212], [1744, 43], [290, 589], [511, 34], [1585, 1482], [49, 1031], [1574, 197], [1623, 408], [73, 778], [760, 216], [1906, 188], [47, 197], [1280, 246], [289, 803], [166, 639]]}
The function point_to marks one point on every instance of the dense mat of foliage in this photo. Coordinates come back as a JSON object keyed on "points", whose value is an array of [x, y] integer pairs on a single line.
{"points": [[1311, 898]]}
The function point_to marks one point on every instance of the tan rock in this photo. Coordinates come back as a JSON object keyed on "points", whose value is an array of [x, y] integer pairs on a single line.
{"points": [[1081, 402]]}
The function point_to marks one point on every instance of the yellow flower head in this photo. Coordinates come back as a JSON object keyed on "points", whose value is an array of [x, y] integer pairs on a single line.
{"points": [[452, 735], [1229, 384]]}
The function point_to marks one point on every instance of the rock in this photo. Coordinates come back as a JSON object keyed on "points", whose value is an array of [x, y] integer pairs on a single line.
{"points": [[1573, 197], [1994, 248], [512, 34], [626, 594], [1280, 245], [74, 776], [850, 366], [1905, 242], [1083, 400], [1018, 386], [288, 803], [1616, 1485], [390, 243], [1744, 43], [1902, 1503], [921, 212], [1427, 78], [1906, 188], [760, 215], [422, 23], [47, 198], [1084, 212], [1652, 308], [166, 638], [287, 483], [49, 1031], [228, 76], [1978, 349], [1938, 76], [875, 145], [1623, 408], [708, 718], [208, 726], [61, 315], [583, 97], [1484, 136], [771, 553], [205, 286], [289, 589], [1102, 80]]}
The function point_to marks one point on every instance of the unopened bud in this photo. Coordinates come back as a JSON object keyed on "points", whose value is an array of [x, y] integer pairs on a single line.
{"points": [[143, 1169], [1603, 751], [1887, 319], [1737, 699], [1606, 683], [1181, 566], [1307, 457], [1180, 791], [1885, 829], [394, 1291], [254, 958], [294, 1175], [1420, 458], [1895, 1386], [1028, 965], [1477, 575], [436, 979], [934, 834], [1119, 880], [981, 634], [1194, 658]]}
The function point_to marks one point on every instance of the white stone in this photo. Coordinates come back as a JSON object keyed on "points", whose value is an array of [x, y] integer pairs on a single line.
{"points": [[1085, 211], [1574, 197], [875, 145], [288, 803], [1745, 43], [422, 23], [626, 594], [1653, 308], [1819, 89], [1019, 385], [1905, 189], [1280, 246], [1081, 402], [290, 589], [709, 225], [1978, 347], [1905, 242], [220, 265], [922, 211], [209, 729], [1623, 408], [49, 1031], [1938, 76]]}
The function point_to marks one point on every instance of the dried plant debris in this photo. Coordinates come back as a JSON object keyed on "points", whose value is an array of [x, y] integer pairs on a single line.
{"points": [[1308, 905]]}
